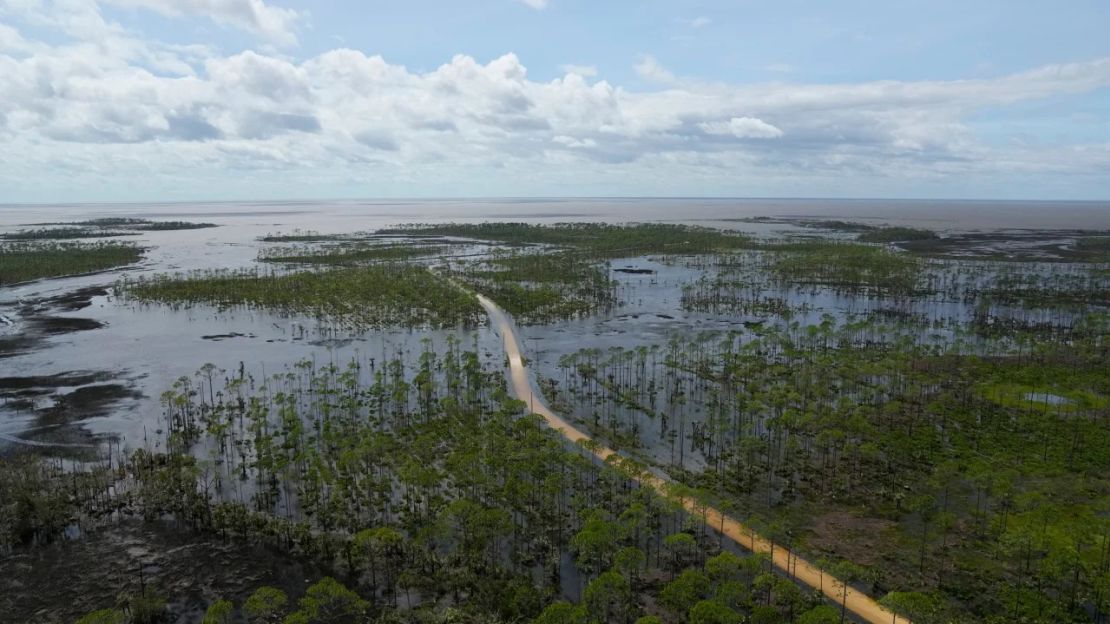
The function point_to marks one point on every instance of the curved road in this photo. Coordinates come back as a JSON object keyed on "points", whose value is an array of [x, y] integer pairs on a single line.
{"points": [[858, 603]]}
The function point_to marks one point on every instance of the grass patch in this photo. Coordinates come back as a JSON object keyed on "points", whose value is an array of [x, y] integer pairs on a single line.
{"points": [[305, 236], [143, 225], [163, 226], [100, 228], [895, 235], [860, 268], [1093, 248], [346, 255], [24, 262], [360, 298], [541, 287], [1042, 398], [63, 233]]}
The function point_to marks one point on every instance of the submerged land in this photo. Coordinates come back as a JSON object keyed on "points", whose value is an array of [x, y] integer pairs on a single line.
{"points": [[771, 419]]}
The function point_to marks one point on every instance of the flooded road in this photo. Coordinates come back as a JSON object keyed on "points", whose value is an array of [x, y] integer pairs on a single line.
{"points": [[860, 604]]}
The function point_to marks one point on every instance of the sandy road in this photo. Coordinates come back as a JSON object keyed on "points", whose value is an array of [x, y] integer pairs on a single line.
{"points": [[862, 606]]}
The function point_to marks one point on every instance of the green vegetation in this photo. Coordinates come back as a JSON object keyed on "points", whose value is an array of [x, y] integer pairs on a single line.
{"points": [[430, 491], [980, 475], [357, 298], [895, 234], [22, 262], [932, 431], [540, 287], [299, 236], [161, 226], [848, 267], [568, 276], [62, 233], [349, 254], [836, 225], [1093, 248], [129, 223], [599, 240], [100, 228]]}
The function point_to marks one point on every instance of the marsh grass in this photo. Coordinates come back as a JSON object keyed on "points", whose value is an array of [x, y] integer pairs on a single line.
{"points": [[1093, 248], [360, 298], [130, 223], [541, 287], [349, 254], [22, 262], [104, 227], [63, 233], [304, 236], [859, 268], [895, 234]]}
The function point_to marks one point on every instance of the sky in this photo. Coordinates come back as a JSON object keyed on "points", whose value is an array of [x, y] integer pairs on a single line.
{"points": [[176, 100]]}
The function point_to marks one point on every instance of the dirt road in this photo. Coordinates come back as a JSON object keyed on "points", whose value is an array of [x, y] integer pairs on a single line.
{"points": [[858, 603]]}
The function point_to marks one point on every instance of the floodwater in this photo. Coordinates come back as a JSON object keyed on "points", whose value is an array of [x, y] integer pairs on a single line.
{"points": [[860, 604], [87, 367]]}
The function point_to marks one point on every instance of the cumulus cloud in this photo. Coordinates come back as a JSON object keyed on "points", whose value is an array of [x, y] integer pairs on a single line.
{"points": [[650, 69], [112, 106], [275, 23]]}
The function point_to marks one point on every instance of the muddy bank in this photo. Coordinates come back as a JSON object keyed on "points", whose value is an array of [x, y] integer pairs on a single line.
{"points": [[46, 410], [50, 420], [64, 581], [27, 323], [1011, 246]]}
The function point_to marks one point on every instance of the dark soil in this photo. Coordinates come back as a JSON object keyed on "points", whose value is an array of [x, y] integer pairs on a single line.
{"points": [[76, 300], [1009, 245], [38, 319], [62, 582], [55, 403], [219, 337], [11, 346], [54, 325], [87, 402], [52, 381]]}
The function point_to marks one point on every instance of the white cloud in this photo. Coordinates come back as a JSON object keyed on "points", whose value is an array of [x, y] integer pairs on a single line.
{"points": [[274, 23], [586, 71], [107, 108], [780, 68], [538, 5], [700, 21], [650, 69], [12, 41], [573, 142], [742, 128]]}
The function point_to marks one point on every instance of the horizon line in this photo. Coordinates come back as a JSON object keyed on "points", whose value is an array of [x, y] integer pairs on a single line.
{"points": [[547, 198]]}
